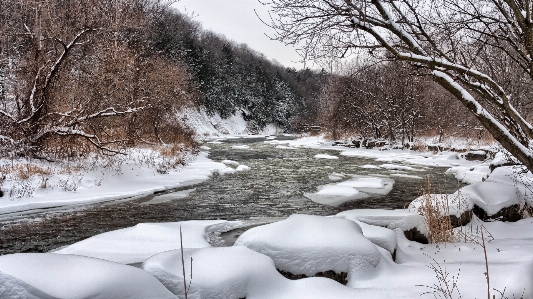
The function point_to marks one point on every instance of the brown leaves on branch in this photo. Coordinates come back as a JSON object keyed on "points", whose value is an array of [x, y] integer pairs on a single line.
{"points": [[81, 72]]}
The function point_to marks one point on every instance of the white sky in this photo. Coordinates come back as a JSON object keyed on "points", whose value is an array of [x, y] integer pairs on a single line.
{"points": [[237, 20]]}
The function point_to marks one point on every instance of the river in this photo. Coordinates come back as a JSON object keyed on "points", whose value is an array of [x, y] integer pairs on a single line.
{"points": [[274, 187]]}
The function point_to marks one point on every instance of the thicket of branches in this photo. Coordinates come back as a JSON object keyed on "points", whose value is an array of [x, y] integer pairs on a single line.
{"points": [[391, 101], [80, 75], [481, 52]]}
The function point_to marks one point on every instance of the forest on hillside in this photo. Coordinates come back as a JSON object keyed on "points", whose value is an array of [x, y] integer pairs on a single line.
{"points": [[76, 77]]}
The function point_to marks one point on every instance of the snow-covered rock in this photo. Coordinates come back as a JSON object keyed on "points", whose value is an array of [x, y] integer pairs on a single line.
{"points": [[237, 272], [305, 244], [221, 272], [492, 197], [13, 288], [448, 204], [380, 236], [392, 219], [515, 176], [138, 243], [470, 175], [47, 276], [488, 200]]}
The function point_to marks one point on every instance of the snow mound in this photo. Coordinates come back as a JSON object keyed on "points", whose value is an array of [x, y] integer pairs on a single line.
{"points": [[491, 197], [221, 272], [13, 288], [326, 156], [470, 175], [456, 203], [138, 243], [242, 168], [237, 272], [304, 244], [391, 219], [380, 236], [48, 275]]}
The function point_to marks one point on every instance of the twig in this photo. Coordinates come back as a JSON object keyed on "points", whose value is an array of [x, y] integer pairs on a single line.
{"points": [[183, 265], [486, 263]]}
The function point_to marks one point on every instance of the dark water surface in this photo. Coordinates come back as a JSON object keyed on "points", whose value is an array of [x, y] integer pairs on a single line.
{"points": [[274, 187]]}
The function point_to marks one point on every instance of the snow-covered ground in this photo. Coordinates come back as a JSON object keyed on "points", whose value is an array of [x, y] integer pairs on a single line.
{"points": [[127, 179], [301, 244], [369, 246]]}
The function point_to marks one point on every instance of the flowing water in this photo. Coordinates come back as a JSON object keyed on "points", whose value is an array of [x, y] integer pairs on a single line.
{"points": [[274, 187]]}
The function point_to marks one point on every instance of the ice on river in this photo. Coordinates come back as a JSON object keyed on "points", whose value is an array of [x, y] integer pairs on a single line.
{"points": [[369, 166], [398, 167], [358, 187], [391, 219], [159, 199], [326, 156], [244, 146], [242, 168], [407, 176], [230, 162]]}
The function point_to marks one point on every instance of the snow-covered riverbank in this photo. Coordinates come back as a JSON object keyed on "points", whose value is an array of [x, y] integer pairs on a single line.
{"points": [[127, 180]]}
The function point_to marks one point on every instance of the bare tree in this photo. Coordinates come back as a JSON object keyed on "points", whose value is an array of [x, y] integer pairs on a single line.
{"points": [[450, 40], [80, 70]]}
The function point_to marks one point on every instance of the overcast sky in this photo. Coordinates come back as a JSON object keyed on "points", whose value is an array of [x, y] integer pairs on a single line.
{"points": [[237, 20]]}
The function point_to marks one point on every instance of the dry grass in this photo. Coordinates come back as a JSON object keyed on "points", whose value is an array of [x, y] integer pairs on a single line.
{"points": [[24, 171], [436, 216], [171, 151]]}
